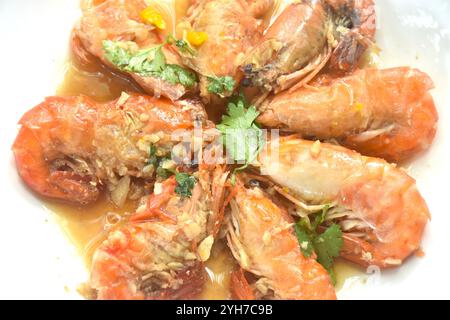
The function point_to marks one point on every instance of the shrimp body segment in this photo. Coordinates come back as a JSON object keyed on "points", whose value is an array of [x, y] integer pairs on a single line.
{"points": [[377, 205], [159, 252], [262, 239], [383, 113], [69, 148]]}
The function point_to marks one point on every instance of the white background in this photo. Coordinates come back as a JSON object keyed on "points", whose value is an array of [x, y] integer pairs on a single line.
{"points": [[36, 259]]}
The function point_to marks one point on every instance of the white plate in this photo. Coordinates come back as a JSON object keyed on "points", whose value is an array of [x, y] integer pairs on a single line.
{"points": [[38, 261]]}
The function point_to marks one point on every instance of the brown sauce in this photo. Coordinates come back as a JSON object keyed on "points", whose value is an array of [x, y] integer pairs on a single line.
{"points": [[86, 226]]}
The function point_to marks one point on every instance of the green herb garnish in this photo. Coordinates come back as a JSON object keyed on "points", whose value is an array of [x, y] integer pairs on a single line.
{"points": [[157, 162], [221, 85], [148, 63], [182, 45], [326, 245], [185, 181], [152, 158], [163, 173], [185, 184], [241, 135]]}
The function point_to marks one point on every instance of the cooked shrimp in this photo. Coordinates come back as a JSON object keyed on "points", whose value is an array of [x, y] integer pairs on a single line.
{"points": [[377, 205], [119, 20], [232, 28], [305, 36], [159, 253], [384, 113], [68, 148], [262, 239]]}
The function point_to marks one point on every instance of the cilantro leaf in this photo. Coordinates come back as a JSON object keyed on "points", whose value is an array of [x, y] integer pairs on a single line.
{"points": [[239, 132], [116, 54], [326, 245], [185, 184], [147, 62], [305, 241], [320, 218], [173, 73], [220, 85]]}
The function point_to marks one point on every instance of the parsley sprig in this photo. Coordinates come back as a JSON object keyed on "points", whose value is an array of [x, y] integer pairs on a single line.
{"points": [[326, 245], [240, 133], [147, 62]]}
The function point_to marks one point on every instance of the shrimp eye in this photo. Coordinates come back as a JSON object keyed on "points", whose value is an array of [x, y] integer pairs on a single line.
{"points": [[248, 68], [246, 82], [254, 183]]}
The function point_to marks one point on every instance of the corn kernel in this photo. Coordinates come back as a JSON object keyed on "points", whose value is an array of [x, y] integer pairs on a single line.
{"points": [[196, 38], [151, 16]]}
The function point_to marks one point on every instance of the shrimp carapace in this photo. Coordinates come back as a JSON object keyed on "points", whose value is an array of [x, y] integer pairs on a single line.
{"points": [[377, 205], [382, 113], [71, 148]]}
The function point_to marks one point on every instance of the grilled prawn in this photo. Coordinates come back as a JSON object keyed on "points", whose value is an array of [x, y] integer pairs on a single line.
{"points": [[383, 113], [262, 239], [159, 252], [69, 148], [377, 205]]}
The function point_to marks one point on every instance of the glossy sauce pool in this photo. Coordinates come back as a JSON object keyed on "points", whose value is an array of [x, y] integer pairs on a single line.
{"points": [[87, 226]]}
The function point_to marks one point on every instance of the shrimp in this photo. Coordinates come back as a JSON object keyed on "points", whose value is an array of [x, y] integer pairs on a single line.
{"points": [[262, 239], [68, 148], [159, 253], [232, 28], [119, 20], [383, 113], [305, 37], [377, 205]]}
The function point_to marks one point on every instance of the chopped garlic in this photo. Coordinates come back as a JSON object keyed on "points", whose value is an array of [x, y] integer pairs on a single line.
{"points": [[367, 256], [204, 249], [122, 99], [168, 164], [267, 237], [157, 189], [393, 262], [315, 149], [144, 117], [304, 245]]}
